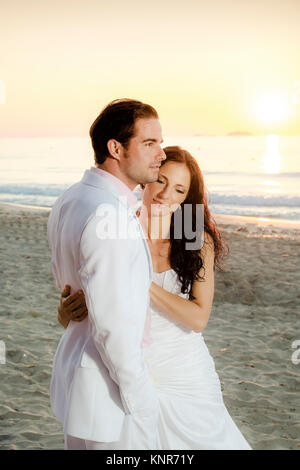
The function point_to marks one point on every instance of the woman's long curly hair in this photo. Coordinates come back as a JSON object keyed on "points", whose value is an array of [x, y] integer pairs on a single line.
{"points": [[188, 263]]}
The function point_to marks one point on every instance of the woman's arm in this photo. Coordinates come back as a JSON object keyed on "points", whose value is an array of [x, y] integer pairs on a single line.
{"points": [[71, 307], [192, 313]]}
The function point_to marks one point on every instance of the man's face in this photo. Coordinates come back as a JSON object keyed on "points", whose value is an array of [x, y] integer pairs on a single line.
{"points": [[144, 154]]}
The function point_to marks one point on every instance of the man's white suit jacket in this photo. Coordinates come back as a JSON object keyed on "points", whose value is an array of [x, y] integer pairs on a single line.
{"points": [[99, 373]]}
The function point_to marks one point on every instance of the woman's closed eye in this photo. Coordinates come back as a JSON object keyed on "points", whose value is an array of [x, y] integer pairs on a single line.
{"points": [[178, 190]]}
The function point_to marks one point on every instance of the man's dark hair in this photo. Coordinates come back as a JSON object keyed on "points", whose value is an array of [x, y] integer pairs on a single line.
{"points": [[116, 121]]}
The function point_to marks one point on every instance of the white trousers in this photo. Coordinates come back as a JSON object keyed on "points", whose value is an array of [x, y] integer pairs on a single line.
{"points": [[133, 436], [75, 443], [125, 442]]}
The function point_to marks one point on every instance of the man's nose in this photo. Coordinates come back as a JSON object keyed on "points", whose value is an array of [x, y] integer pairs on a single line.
{"points": [[162, 155]]}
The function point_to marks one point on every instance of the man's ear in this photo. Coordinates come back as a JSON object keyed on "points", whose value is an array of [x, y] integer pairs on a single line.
{"points": [[115, 149]]}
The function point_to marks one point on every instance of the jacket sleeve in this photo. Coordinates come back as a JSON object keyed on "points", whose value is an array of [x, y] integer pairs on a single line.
{"points": [[107, 270]]}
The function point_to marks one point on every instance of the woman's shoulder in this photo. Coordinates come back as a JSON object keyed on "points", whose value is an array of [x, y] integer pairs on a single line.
{"points": [[208, 243]]}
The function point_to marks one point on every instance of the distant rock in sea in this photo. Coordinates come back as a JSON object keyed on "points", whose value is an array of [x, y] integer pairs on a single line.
{"points": [[238, 133]]}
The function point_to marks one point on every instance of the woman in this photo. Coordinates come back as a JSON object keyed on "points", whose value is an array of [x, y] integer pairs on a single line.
{"points": [[193, 414]]}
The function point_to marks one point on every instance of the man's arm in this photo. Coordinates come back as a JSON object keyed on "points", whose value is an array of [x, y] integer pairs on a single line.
{"points": [[105, 275]]}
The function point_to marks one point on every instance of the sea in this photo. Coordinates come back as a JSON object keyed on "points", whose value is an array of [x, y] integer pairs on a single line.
{"points": [[256, 176]]}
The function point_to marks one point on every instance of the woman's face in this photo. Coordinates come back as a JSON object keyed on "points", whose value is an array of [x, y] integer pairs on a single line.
{"points": [[166, 194]]}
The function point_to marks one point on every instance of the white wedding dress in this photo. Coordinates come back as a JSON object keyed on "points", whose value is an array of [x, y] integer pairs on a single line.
{"points": [[192, 412]]}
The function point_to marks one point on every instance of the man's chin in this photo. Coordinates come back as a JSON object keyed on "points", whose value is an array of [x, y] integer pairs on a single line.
{"points": [[151, 178]]}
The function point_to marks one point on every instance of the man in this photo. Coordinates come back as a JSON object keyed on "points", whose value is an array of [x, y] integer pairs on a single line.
{"points": [[100, 387]]}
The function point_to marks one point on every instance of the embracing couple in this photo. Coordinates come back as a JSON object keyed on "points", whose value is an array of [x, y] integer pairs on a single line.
{"points": [[132, 370]]}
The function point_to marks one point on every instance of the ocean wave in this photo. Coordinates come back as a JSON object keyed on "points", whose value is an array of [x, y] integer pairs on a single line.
{"points": [[254, 200], [38, 192], [254, 174], [266, 212], [33, 190]]}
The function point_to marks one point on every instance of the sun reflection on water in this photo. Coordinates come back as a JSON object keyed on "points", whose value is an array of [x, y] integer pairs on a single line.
{"points": [[272, 157]]}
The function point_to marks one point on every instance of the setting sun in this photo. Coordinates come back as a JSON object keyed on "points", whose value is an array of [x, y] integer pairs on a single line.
{"points": [[271, 108]]}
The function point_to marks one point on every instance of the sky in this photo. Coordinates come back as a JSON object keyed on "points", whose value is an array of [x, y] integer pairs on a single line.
{"points": [[208, 67]]}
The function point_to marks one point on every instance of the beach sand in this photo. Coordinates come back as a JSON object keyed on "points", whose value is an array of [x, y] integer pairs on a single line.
{"points": [[253, 325]]}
